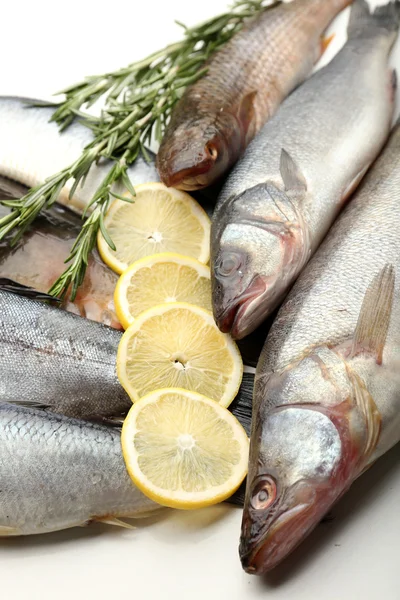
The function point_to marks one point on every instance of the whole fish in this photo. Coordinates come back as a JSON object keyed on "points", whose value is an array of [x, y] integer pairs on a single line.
{"points": [[284, 194], [52, 359], [38, 259], [32, 149], [244, 84], [327, 390], [57, 473]]}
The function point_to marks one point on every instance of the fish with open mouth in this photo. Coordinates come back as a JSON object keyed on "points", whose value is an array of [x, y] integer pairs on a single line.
{"points": [[283, 195], [243, 86], [327, 388]]}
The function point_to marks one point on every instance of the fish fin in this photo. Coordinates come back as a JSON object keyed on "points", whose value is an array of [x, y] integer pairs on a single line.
{"points": [[9, 285], [9, 531], [247, 114], [369, 410], [291, 174], [146, 514], [241, 407], [373, 321], [354, 183], [325, 41], [384, 17], [113, 521], [30, 404]]}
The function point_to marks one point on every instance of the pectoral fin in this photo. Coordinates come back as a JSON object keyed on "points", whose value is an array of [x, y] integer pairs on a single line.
{"points": [[374, 319], [369, 410], [291, 174], [113, 521], [247, 114]]}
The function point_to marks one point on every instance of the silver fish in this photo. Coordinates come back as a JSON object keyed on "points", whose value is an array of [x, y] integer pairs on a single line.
{"points": [[58, 473], [32, 149], [282, 197], [52, 358], [327, 390]]}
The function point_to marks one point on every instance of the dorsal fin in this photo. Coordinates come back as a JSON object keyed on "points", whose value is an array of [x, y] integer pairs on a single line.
{"points": [[291, 174], [9, 285], [373, 321]]}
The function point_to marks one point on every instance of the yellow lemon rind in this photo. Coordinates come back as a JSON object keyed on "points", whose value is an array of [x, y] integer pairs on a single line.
{"points": [[164, 308], [121, 308], [183, 500]]}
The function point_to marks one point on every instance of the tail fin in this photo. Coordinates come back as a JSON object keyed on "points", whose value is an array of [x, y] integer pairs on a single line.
{"points": [[362, 20]]}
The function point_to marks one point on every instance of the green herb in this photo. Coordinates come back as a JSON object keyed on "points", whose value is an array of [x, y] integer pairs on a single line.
{"points": [[138, 103]]}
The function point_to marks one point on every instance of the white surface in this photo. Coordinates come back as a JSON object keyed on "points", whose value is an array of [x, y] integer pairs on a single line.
{"points": [[45, 46]]}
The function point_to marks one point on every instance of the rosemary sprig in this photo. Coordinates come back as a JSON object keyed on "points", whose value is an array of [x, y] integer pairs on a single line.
{"points": [[139, 101]]}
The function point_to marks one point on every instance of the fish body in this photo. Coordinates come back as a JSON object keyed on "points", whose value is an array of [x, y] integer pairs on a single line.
{"points": [[244, 84], [58, 473], [52, 358], [327, 389], [32, 149], [283, 195], [38, 259]]}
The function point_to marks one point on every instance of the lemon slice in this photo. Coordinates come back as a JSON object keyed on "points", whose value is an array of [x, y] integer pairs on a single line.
{"points": [[179, 345], [159, 279], [161, 219], [184, 450]]}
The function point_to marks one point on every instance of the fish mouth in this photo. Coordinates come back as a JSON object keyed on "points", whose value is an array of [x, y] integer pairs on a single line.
{"points": [[285, 534], [190, 178], [246, 311]]}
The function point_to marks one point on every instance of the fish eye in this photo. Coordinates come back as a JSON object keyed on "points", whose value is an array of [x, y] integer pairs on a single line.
{"points": [[212, 150], [264, 494], [228, 264]]}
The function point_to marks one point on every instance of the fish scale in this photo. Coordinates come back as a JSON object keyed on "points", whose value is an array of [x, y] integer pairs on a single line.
{"points": [[53, 358], [57, 473]]}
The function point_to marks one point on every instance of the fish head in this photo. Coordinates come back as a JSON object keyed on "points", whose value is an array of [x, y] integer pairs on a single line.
{"points": [[302, 459], [193, 156], [259, 244]]}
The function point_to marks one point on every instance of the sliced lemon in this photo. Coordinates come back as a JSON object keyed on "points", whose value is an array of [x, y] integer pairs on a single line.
{"points": [[161, 219], [184, 450], [179, 345], [159, 279]]}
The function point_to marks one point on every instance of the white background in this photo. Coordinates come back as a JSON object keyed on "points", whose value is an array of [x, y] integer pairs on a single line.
{"points": [[45, 46]]}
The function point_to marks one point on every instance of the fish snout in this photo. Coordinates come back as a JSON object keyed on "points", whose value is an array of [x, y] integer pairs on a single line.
{"points": [[241, 314], [188, 164]]}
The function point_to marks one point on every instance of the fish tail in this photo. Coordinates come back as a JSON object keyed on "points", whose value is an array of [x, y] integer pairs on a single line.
{"points": [[363, 21]]}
